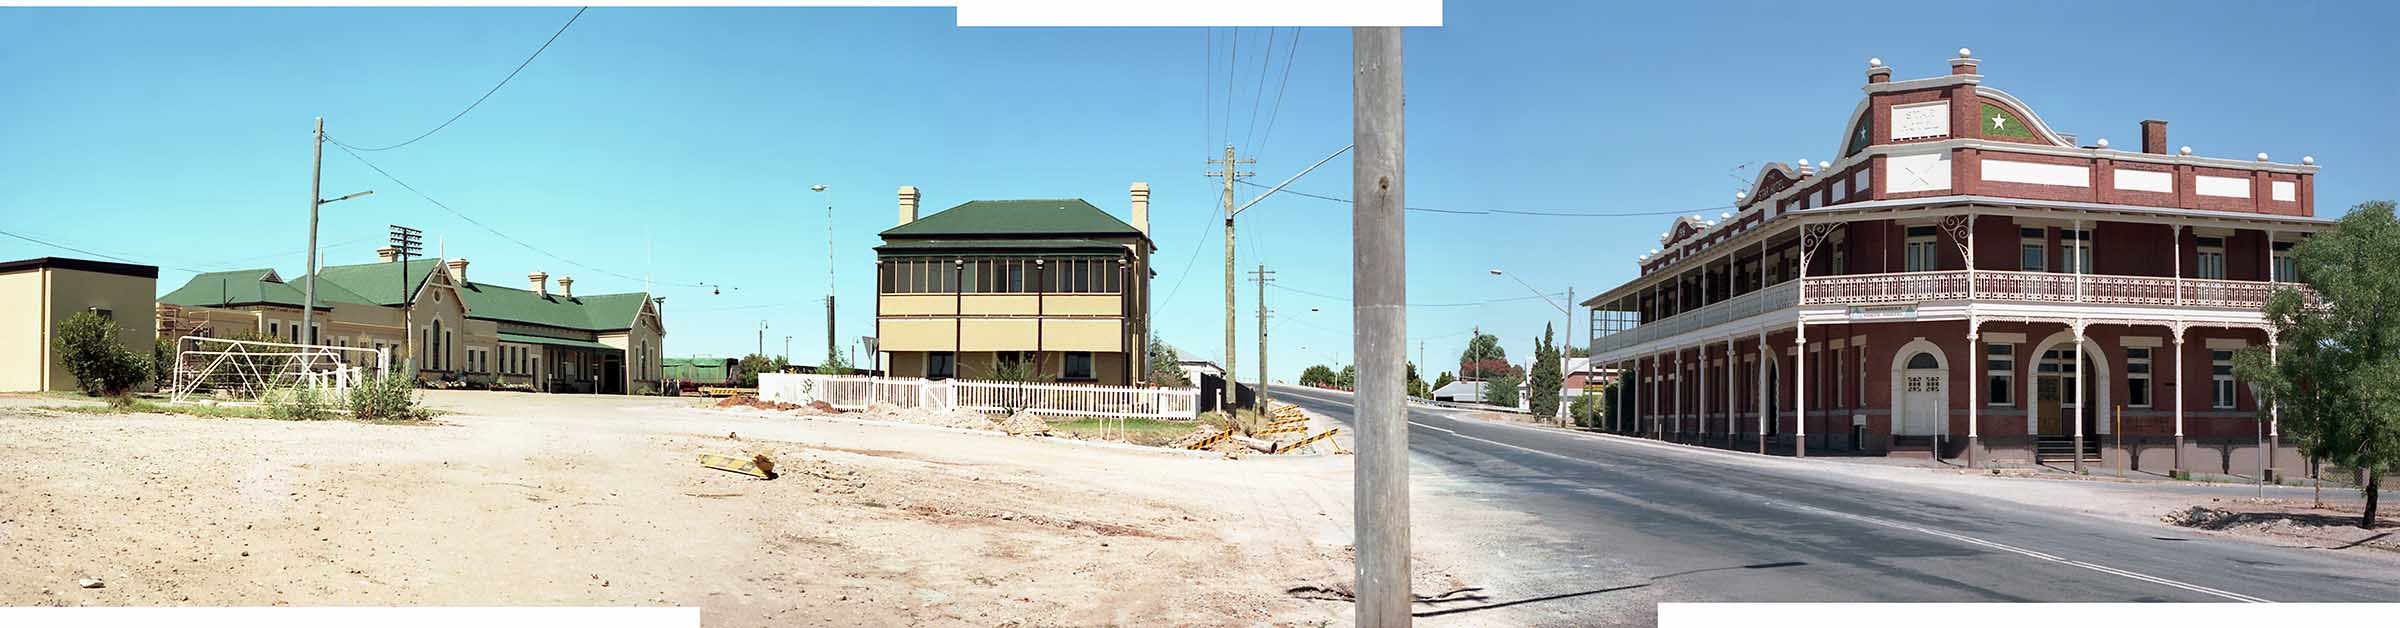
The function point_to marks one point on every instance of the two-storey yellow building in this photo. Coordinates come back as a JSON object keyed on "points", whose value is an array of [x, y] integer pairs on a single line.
{"points": [[1056, 283]]}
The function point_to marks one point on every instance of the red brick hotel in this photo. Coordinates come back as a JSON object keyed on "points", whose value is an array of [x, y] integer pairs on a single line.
{"points": [[2107, 292]]}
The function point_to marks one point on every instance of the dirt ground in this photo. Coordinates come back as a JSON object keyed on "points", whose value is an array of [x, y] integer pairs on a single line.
{"points": [[2297, 522], [523, 499]]}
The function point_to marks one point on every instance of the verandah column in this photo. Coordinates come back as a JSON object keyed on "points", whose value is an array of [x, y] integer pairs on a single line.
{"points": [[1800, 388], [1730, 392], [1760, 402], [1979, 371], [2180, 370], [2083, 403], [1701, 391]]}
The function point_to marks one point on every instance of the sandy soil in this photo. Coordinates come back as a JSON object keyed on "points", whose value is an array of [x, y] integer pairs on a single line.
{"points": [[521, 499]]}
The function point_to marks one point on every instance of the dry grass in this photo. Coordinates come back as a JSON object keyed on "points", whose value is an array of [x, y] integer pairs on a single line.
{"points": [[1149, 432]]}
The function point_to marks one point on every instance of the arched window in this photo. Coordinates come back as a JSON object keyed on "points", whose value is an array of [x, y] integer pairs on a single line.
{"points": [[1924, 361]]}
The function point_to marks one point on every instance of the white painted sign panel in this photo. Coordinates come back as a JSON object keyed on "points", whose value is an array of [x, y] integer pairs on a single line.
{"points": [[1930, 119], [2284, 190], [2145, 181], [1917, 173], [2037, 174], [2230, 187]]}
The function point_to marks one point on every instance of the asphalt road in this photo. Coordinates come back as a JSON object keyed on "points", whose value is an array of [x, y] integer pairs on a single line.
{"points": [[1611, 528]]}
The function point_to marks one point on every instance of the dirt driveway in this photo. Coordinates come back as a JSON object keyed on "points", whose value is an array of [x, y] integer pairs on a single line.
{"points": [[522, 499]]}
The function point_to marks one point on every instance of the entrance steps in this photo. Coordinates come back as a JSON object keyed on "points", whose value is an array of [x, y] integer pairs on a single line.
{"points": [[2061, 450]]}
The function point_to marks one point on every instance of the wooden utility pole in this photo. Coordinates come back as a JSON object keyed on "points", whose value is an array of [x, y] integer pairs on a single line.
{"points": [[1231, 172], [1379, 298], [316, 178], [1262, 276]]}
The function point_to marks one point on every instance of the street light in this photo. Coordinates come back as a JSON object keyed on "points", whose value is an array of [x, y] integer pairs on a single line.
{"points": [[1561, 414], [762, 339], [308, 311], [831, 347]]}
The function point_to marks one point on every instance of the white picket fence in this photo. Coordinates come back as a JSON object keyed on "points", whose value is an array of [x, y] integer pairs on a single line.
{"points": [[857, 392]]}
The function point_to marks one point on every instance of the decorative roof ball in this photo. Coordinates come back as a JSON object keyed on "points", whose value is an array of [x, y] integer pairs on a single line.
{"points": [[1965, 53], [1729, 215], [2308, 160], [1874, 62], [2262, 156], [1823, 165], [2185, 150], [2103, 143], [1741, 195]]}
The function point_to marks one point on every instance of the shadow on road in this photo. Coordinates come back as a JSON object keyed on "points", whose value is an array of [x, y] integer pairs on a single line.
{"points": [[1614, 589]]}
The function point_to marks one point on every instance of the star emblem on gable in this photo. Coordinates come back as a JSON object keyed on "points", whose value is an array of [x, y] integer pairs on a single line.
{"points": [[1999, 121]]}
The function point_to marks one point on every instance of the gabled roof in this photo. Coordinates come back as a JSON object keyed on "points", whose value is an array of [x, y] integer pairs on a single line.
{"points": [[256, 286], [1046, 217], [380, 283], [944, 247]]}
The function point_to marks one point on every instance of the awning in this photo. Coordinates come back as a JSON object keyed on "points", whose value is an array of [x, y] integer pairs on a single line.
{"points": [[555, 342]]}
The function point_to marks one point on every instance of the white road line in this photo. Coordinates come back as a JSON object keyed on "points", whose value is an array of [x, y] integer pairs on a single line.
{"points": [[2027, 552], [1437, 429]]}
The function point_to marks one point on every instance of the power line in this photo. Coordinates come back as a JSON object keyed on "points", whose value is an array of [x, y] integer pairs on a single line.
{"points": [[1205, 232], [1208, 87], [1516, 212], [503, 235], [1258, 93], [1288, 54], [562, 30], [1233, 69]]}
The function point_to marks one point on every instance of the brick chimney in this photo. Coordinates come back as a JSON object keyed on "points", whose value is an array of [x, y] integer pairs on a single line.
{"points": [[908, 204], [566, 287], [541, 282], [458, 271], [387, 254], [1141, 207], [2154, 137], [1964, 64], [1877, 72]]}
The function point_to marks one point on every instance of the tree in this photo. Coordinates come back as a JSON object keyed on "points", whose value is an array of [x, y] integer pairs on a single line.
{"points": [[1501, 391], [1548, 376], [1578, 352], [1348, 380], [1439, 381], [87, 346], [746, 372], [1166, 366], [1483, 359], [835, 364], [1416, 385], [2335, 373], [1317, 375]]}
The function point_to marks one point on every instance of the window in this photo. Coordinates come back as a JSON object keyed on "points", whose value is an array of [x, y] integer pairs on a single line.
{"points": [[2000, 365], [2285, 270], [274, 329], [1079, 365], [2033, 249], [2211, 260], [2078, 244], [970, 275], [105, 314], [941, 365], [1921, 255], [2221, 374], [2137, 377], [1924, 361]]}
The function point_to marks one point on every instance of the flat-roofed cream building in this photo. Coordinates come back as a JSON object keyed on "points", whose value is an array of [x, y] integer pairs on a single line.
{"points": [[37, 294], [1057, 282], [452, 329]]}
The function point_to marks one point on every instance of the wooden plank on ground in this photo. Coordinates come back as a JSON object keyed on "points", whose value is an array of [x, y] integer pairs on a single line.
{"points": [[1311, 440], [757, 466]]}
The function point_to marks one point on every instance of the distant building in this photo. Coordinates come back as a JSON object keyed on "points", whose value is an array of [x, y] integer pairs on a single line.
{"points": [[1054, 282], [1193, 370], [456, 330], [37, 294]]}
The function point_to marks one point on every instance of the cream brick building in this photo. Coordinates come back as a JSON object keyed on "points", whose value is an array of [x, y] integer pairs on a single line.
{"points": [[38, 294], [451, 328], [1057, 282]]}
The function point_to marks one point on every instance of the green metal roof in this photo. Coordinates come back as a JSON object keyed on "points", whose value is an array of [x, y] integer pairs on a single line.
{"points": [[555, 342], [695, 369], [239, 287], [381, 283], [945, 247], [1068, 216], [387, 283]]}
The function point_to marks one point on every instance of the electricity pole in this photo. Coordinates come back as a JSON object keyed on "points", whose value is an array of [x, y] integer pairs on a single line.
{"points": [[1379, 298], [1231, 172], [316, 183], [1262, 276]]}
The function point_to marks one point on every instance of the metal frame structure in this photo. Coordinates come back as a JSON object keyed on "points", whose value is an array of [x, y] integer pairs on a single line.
{"points": [[246, 370]]}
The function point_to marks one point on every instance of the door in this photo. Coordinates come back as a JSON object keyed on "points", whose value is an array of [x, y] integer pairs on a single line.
{"points": [[1924, 397]]}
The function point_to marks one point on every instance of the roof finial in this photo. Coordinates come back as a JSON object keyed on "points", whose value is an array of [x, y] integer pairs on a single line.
{"points": [[1966, 54], [2308, 160], [2186, 150]]}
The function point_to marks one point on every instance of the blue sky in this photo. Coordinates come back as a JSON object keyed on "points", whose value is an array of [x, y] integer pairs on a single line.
{"points": [[680, 144]]}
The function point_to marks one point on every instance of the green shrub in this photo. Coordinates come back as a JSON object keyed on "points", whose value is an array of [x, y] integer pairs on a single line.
{"points": [[1586, 410], [87, 347], [387, 397], [298, 403], [162, 363]]}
